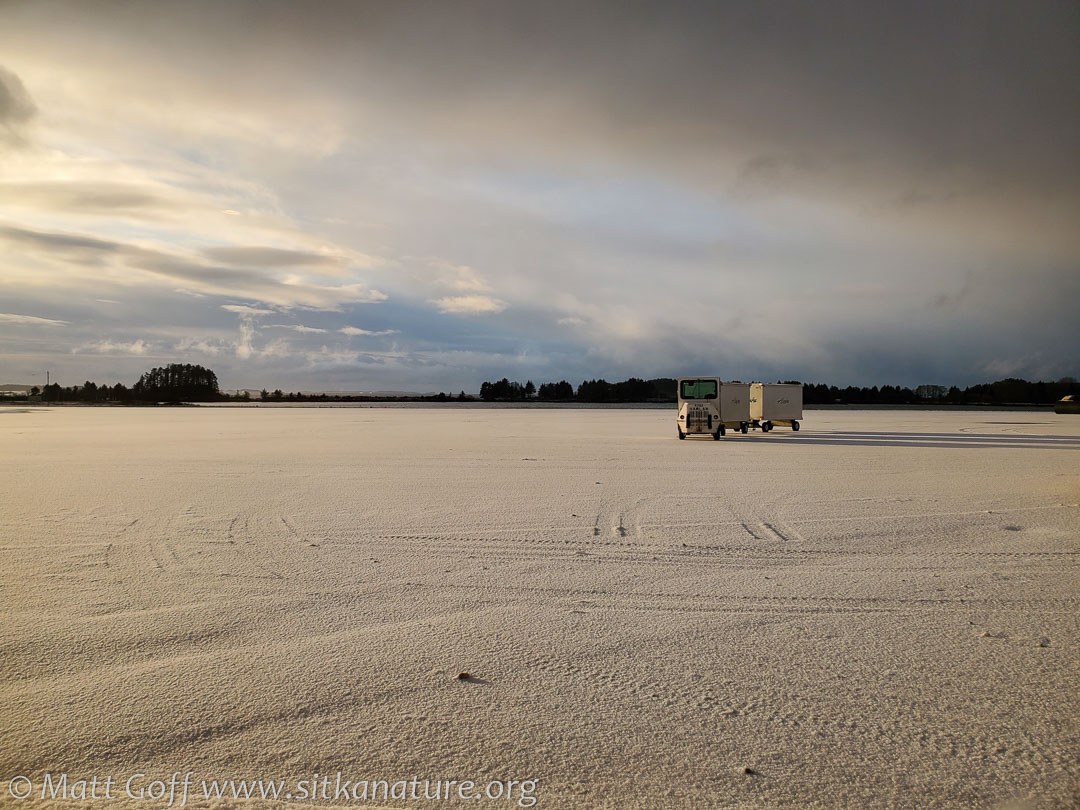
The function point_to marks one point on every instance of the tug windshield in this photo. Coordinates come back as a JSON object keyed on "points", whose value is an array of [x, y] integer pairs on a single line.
{"points": [[698, 389]]}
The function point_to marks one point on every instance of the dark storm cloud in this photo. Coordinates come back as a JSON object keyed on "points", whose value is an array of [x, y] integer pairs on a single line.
{"points": [[910, 91], [948, 80], [16, 107], [874, 105]]}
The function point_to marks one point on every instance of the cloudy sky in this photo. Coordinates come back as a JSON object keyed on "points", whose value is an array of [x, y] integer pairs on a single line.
{"points": [[425, 195]]}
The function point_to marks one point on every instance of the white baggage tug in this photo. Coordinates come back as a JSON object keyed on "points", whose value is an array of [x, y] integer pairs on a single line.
{"points": [[775, 404], [708, 406]]}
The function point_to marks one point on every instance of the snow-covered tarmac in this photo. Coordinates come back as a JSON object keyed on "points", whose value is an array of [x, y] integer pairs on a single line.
{"points": [[880, 610]]}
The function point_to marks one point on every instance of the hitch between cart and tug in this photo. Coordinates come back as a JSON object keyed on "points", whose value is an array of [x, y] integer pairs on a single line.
{"points": [[708, 406]]}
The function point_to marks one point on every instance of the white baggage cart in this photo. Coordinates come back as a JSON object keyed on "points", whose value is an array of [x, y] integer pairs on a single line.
{"points": [[773, 404]]}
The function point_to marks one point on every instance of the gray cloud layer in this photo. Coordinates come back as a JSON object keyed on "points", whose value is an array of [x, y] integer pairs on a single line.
{"points": [[984, 85], [187, 271], [848, 190], [16, 108], [270, 257], [84, 196]]}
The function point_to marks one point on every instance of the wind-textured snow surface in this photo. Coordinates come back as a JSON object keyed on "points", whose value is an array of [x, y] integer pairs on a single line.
{"points": [[880, 610]]}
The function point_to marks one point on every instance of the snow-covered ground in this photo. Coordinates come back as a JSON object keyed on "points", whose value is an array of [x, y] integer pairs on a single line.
{"points": [[880, 610]]}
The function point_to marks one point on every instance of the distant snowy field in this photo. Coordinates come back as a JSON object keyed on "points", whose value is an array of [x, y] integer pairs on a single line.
{"points": [[882, 609]]}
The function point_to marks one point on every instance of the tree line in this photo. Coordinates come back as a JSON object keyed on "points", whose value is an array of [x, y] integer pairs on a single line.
{"points": [[1010, 391], [177, 382], [184, 382], [281, 396], [632, 390]]}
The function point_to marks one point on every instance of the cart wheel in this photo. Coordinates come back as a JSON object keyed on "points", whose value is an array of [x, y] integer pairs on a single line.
{"points": [[794, 424], [744, 427], [766, 426], [681, 434]]}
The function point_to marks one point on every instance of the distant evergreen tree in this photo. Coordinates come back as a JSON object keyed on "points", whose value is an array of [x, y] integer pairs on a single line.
{"points": [[665, 389], [177, 382], [561, 391], [502, 390]]}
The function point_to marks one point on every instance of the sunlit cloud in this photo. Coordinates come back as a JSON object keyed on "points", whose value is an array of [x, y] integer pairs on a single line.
{"points": [[87, 197], [354, 331], [66, 256], [459, 277], [297, 327], [470, 304], [134, 347], [325, 357], [244, 344], [325, 263], [267, 257], [276, 348], [200, 346], [247, 311], [30, 320]]}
